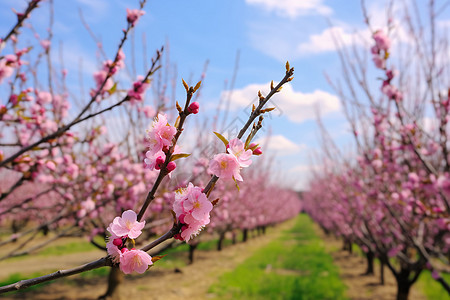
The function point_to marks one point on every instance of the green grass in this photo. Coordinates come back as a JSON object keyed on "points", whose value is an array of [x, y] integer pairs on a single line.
{"points": [[15, 277], [63, 249], [431, 288], [295, 266]]}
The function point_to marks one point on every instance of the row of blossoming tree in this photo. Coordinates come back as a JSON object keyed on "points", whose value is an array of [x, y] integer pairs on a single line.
{"points": [[70, 171], [392, 198]]}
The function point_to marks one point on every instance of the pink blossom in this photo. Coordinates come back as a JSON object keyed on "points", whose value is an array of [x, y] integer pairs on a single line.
{"points": [[112, 249], [192, 209], [147, 110], [43, 97], [197, 204], [7, 65], [382, 40], [133, 15], [236, 148], [155, 144], [163, 130], [153, 159], [127, 225], [135, 260], [225, 166], [136, 93], [45, 44], [379, 62]]}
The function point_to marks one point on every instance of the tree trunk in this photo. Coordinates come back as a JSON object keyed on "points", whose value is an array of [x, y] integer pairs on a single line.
{"points": [[370, 256], [233, 237], [381, 272], [191, 252], [244, 235], [220, 242], [115, 278], [403, 284]]}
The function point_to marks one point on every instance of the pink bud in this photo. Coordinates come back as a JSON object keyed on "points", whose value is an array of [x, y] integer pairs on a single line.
{"points": [[117, 242], [171, 166], [257, 151], [123, 250], [159, 163], [193, 108]]}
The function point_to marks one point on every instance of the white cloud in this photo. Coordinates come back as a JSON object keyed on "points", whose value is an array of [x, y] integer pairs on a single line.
{"points": [[331, 39], [280, 145], [296, 106], [293, 8]]}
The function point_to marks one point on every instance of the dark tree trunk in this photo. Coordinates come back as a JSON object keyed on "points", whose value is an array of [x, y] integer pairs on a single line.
{"points": [[403, 283], [244, 235], [370, 256], [220, 242], [115, 278], [233, 237], [381, 272], [263, 229], [347, 245], [191, 252], [403, 287]]}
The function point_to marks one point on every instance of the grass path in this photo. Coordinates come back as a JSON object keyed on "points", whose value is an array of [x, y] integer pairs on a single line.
{"points": [[293, 266]]}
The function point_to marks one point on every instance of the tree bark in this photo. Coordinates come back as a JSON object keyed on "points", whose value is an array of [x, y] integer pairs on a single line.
{"points": [[381, 272], [191, 252], [220, 242], [369, 256], [244, 235], [115, 279]]}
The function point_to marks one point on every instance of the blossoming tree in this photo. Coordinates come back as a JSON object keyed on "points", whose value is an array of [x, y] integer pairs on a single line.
{"points": [[65, 175]]}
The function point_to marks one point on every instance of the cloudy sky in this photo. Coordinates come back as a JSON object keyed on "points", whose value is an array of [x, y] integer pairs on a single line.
{"points": [[253, 37]]}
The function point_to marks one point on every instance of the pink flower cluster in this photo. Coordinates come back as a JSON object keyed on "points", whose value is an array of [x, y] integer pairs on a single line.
{"points": [[104, 75], [122, 229], [229, 165], [380, 53], [160, 138], [192, 209], [136, 93]]}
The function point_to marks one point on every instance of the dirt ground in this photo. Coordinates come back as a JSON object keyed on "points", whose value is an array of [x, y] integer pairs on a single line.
{"points": [[363, 287], [194, 280]]}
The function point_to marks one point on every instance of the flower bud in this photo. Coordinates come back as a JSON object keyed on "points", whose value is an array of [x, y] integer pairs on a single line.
{"points": [[257, 151], [171, 166], [159, 163], [193, 108], [117, 242]]}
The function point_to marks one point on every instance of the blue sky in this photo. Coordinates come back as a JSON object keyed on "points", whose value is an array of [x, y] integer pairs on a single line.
{"points": [[266, 33]]}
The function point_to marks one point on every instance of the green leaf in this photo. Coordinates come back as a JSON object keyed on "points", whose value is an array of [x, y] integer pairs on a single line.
{"points": [[222, 138], [177, 156], [113, 89]]}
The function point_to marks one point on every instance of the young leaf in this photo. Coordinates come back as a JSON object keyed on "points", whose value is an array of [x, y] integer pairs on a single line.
{"points": [[157, 257], [222, 138], [113, 89], [177, 122], [178, 156], [197, 86], [185, 85], [179, 107], [235, 182]]}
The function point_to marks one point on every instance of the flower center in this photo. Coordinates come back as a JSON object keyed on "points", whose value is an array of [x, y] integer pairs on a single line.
{"points": [[223, 164]]}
